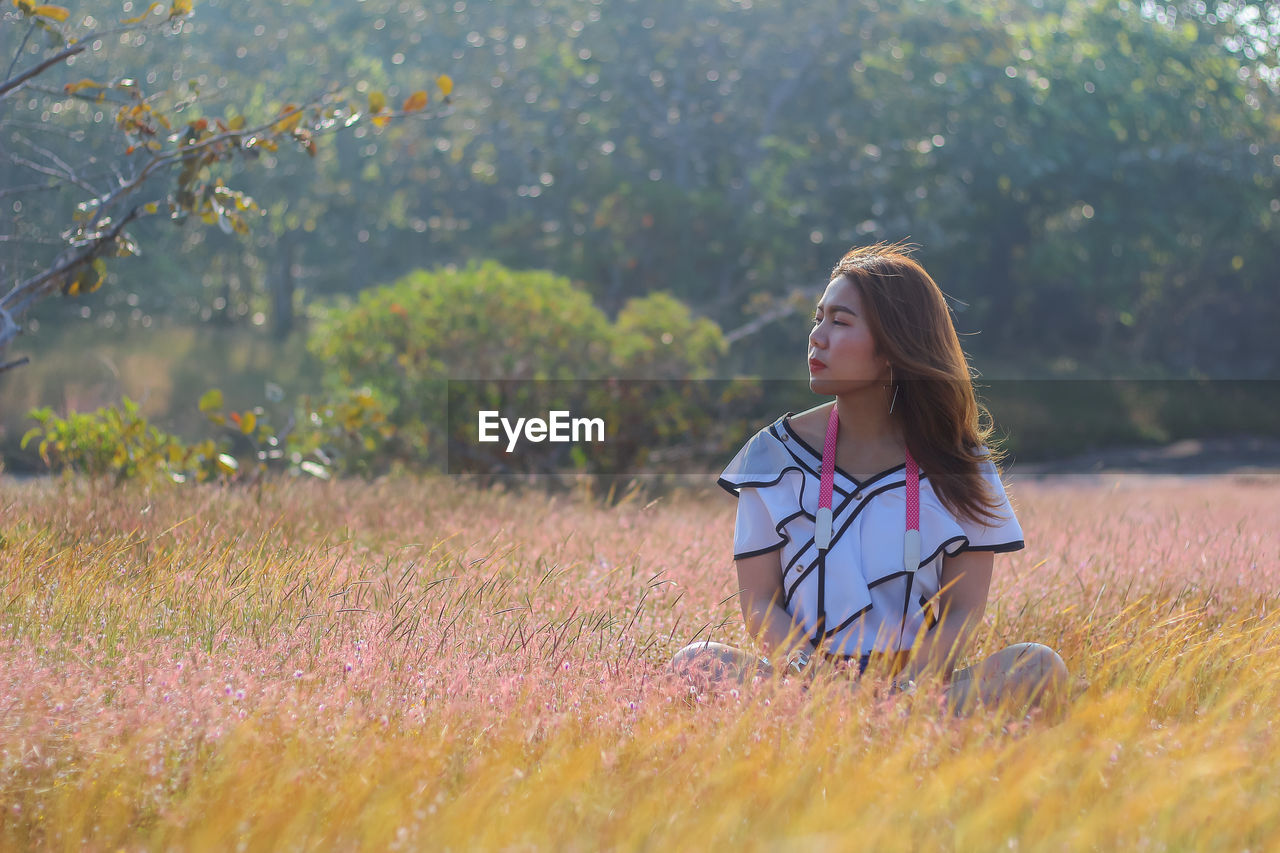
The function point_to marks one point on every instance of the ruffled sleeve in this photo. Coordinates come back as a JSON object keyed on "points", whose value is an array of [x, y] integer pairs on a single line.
{"points": [[766, 481], [755, 531], [998, 535], [761, 462]]}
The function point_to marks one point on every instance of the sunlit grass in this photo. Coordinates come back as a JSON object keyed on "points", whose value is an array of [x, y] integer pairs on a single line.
{"points": [[418, 664]]}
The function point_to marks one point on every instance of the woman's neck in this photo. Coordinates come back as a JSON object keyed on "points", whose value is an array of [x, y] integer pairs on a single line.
{"points": [[865, 420]]}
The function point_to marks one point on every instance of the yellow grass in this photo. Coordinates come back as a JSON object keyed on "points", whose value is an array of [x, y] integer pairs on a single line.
{"points": [[422, 664]]}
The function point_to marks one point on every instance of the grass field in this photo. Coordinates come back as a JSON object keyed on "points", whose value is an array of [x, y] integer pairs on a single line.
{"points": [[421, 664]]}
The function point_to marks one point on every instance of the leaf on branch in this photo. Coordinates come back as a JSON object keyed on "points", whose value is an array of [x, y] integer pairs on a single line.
{"points": [[86, 280], [377, 102], [72, 88], [445, 84], [125, 247], [211, 400], [131, 21], [180, 8], [304, 137], [100, 268], [247, 422], [291, 117], [53, 13], [415, 102], [30, 434]]}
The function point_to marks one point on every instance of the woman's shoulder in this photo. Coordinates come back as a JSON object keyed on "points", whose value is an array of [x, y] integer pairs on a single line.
{"points": [[762, 460], [811, 424]]}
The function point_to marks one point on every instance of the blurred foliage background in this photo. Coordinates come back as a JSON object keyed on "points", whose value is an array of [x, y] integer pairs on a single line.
{"points": [[1092, 184]]}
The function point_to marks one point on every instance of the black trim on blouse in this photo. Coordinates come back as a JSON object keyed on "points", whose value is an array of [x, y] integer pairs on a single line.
{"points": [[835, 537], [785, 420], [757, 553], [814, 468], [777, 528], [943, 548], [1002, 548]]}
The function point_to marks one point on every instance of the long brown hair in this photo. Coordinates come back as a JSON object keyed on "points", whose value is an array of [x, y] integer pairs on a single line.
{"points": [[942, 422]]}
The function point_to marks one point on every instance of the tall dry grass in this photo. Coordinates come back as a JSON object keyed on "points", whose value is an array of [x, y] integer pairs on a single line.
{"points": [[413, 664]]}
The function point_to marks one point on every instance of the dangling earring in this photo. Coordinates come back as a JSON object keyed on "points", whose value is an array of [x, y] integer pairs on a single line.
{"points": [[895, 391]]}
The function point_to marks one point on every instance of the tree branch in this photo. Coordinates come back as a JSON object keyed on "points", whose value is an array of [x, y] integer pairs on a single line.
{"points": [[27, 188], [28, 290], [784, 309], [9, 330], [12, 84], [26, 38], [185, 151], [67, 174]]}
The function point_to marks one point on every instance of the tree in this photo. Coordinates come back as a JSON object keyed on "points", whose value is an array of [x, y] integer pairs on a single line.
{"points": [[174, 154]]}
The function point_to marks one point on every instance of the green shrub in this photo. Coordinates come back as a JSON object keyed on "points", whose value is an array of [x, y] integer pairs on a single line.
{"points": [[117, 442], [120, 443], [437, 343]]}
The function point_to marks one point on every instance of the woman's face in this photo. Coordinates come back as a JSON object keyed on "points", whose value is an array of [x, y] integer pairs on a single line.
{"points": [[842, 355]]}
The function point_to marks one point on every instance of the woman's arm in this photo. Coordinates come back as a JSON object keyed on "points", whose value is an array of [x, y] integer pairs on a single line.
{"points": [[760, 595], [966, 583]]}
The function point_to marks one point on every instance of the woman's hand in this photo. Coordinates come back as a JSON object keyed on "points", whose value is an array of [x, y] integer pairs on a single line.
{"points": [[800, 664]]}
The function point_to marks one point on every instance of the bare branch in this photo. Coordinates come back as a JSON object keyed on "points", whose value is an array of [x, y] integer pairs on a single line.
{"points": [[12, 84], [103, 97], [15, 83], [67, 174], [53, 173], [9, 330], [28, 241], [780, 310], [26, 38], [27, 188]]}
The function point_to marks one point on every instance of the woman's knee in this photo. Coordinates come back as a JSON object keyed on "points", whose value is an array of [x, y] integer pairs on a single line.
{"points": [[696, 654], [714, 660], [696, 651], [1039, 664], [1021, 672]]}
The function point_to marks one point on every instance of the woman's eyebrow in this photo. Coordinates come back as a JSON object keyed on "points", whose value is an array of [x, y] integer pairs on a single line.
{"points": [[835, 308]]}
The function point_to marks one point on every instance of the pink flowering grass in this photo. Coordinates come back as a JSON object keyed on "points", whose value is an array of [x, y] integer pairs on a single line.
{"points": [[423, 664]]}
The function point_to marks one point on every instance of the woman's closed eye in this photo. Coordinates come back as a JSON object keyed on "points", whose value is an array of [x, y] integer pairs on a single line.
{"points": [[817, 320]]}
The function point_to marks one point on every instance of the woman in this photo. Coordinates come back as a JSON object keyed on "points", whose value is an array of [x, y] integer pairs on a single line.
{"points": [[867, 527]]}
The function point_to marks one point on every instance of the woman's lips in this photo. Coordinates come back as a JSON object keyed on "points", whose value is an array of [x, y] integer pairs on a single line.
{"points": [[814, 364]]}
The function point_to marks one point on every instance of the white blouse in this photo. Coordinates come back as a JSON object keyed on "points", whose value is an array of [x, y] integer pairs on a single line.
{"points": [[854, 598]]}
